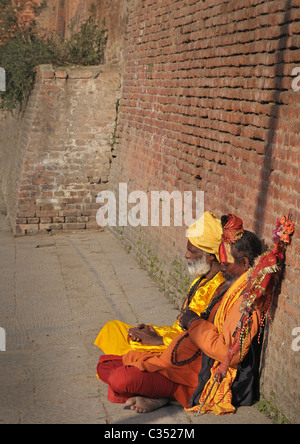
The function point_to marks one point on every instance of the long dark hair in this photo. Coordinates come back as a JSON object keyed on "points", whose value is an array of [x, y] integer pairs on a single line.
{"points": [[248, 246]]}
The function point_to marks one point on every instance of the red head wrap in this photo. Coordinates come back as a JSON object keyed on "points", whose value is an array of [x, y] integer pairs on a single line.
{"points": [[232, 232]]}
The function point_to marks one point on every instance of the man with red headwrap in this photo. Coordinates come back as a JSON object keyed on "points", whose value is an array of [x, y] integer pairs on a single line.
{"points": [[136, 376]]}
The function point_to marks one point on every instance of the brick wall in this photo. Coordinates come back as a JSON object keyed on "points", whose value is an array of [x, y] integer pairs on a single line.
{"points": [[207, 104], [56, 155]]}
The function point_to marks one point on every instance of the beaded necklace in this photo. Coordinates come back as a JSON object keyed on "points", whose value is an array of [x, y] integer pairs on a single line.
{"points": [[204, 315], [174, 359]]}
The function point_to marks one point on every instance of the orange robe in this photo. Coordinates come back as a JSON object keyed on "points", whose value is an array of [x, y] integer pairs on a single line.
{"points": [[203, 335]]}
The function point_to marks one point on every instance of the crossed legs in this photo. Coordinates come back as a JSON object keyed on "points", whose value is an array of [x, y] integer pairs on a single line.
{"points": [[141, 391]]}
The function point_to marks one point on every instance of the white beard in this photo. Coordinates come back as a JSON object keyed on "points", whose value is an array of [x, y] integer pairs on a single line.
{"points": [[198, 267]]}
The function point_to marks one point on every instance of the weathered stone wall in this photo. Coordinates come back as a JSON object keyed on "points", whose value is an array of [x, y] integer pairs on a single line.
{"points": [[61, 17], [113, 13], [56, 155]]}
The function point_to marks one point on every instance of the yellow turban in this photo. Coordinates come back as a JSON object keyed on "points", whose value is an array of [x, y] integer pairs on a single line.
{"points": [[206, 233]]}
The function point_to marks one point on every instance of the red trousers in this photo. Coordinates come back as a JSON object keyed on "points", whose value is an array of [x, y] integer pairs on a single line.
{"points": [[125, 382]]}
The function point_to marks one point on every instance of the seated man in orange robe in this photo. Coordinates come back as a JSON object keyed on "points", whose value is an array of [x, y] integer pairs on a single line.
{"points": [[146, 382], [204, 239]]}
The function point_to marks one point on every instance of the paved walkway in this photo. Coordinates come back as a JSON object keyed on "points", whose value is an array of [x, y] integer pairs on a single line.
{"points": [[55, 294]]}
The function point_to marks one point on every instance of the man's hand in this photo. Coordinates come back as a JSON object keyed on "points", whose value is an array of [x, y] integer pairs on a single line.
{"points": [[145, 334], [186, 317]]}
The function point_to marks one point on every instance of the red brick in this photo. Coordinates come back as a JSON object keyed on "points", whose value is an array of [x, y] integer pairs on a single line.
{"points": [[74, 226], [34, 220], [46, 220], [27, 229], [50, 227], [59, 220]]}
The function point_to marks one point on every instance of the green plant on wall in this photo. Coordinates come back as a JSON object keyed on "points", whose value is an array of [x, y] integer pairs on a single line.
{"points": [[22, 49], [10, 18], [269, 409]]}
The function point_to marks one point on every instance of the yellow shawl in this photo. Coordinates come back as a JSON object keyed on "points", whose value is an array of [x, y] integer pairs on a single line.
{"points": [[113, 338]]}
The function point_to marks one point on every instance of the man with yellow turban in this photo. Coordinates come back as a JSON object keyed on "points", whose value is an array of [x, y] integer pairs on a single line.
{"points": [[146, 382], [204, 239]]}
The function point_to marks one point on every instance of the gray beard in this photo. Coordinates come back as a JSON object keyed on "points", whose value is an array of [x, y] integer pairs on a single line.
{"points": [[198, 267]]}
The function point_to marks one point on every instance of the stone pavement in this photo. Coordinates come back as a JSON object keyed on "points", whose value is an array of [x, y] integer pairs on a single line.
{"points": [[56, 292]]}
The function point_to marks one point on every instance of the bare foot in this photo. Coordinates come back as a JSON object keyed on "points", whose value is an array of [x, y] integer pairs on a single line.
{"points": [[146, 405]]}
